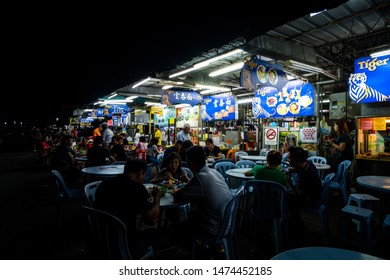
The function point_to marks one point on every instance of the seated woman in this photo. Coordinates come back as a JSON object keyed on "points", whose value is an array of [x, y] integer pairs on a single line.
{"points": [[173, 171], [211, 150]]}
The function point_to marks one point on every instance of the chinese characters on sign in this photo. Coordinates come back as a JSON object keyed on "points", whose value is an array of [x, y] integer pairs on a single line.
{"points": [[219, 107]]}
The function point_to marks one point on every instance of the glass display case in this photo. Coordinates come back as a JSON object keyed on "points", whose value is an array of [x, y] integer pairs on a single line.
{"points": [[373, 138], [372, 145]]}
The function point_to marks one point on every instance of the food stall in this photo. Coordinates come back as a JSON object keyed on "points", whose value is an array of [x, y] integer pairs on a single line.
{"points": [[369, 89], [282, 100]]}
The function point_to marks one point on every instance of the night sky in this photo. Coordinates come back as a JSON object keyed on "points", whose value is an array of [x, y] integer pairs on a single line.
{"points": [[73, 55]]}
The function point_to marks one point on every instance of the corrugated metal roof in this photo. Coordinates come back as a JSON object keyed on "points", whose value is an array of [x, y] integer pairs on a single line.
{"points": [[331, 40]]}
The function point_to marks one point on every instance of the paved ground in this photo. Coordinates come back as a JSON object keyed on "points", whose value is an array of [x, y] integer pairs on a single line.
{"points": [[28, 229]]}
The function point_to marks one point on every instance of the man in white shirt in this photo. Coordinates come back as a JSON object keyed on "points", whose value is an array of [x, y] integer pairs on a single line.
{"points": [[185, 133], [107, 134]]}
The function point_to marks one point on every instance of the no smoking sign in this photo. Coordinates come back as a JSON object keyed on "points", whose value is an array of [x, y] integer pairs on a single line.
{"points": [[271, 136]]}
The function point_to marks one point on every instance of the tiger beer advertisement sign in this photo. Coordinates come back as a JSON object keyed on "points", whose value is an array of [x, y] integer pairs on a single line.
{"points": [[370, 80]]}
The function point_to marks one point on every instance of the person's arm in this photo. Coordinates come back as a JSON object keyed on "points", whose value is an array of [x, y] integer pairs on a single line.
{"points": [[152, 216]]}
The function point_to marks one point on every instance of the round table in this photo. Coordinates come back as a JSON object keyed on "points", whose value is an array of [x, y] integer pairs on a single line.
{"points": [[260, 159], [104, 170], [323, 253], [377, 183], [239, 173], [321, 167]]}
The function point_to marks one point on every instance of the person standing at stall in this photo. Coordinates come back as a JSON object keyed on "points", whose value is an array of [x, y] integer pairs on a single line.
{"points": [[185, 133], [158, 136], [342, 145]]}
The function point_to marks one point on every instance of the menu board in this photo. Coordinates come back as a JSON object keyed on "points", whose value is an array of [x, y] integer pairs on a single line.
{"points": [[188, 115], [179, 96], [295, 99], [219, 107]]}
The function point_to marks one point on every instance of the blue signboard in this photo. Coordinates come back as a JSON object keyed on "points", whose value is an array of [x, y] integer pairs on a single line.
{"points": [[109, 110], [258, 73], [178, 96], [295, 99], [370, 82], [219, 107]]}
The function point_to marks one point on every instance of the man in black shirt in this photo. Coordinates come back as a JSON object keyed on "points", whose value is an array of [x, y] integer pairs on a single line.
{"points": [[126, 197]]}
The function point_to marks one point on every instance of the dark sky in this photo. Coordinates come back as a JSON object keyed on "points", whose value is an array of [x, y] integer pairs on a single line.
{"points": [[72, 55]]}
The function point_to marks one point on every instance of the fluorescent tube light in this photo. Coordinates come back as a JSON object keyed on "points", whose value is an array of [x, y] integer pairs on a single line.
{"points": [[227, 69], [206, 63], [113, 95], [381, 53], [142, 82], [167, 87], [304, 67], [244, 100]]}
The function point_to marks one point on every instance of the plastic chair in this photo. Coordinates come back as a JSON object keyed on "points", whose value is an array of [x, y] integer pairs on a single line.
{"points": [[317, 159], [231, 154], [245, 164], [340, 181], [149, 173], [237, 155], [264, 152], [220, 160], [321, 207], [109, 236], [63, 192], [227, 232], [160, 158], [189, 172], [266, 202], [221, 167], [90, 190]]}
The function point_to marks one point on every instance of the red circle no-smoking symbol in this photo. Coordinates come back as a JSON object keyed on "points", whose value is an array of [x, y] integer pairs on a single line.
{"points": [[271, 134]]}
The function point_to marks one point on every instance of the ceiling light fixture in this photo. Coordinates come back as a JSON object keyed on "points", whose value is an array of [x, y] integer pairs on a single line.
{"points": [[230, 68], [112, 95], [206, 63], [245, 100], [142, 82], [381, 53]]}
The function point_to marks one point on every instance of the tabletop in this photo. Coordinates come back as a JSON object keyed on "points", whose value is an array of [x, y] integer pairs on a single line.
{"points": [[104, 170], [323, 253], [322, 166], [167, 200], [378, 183], [254, 158], [239, 173]]}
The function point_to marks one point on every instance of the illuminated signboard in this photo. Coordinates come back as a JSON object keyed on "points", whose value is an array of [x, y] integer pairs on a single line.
{"points": [[176, 96], [258, 73], [219, 107], [370, 81], [295, 99]]}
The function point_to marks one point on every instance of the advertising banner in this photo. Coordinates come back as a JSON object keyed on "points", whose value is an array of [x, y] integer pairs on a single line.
{"points": [[295, 99], [178, 96], [109, 110], [187, 115], [370, 80], [259, 73], [219, 107]]}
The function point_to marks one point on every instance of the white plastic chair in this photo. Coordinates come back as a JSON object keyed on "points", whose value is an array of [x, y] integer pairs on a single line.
{"points": [[90, 190], [238, 154]]}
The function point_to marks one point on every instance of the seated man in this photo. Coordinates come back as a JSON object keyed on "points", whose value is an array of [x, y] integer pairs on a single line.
{"points": [[270, 171], [208, 194], [308, 187], [125, 196], [211, 150]]}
